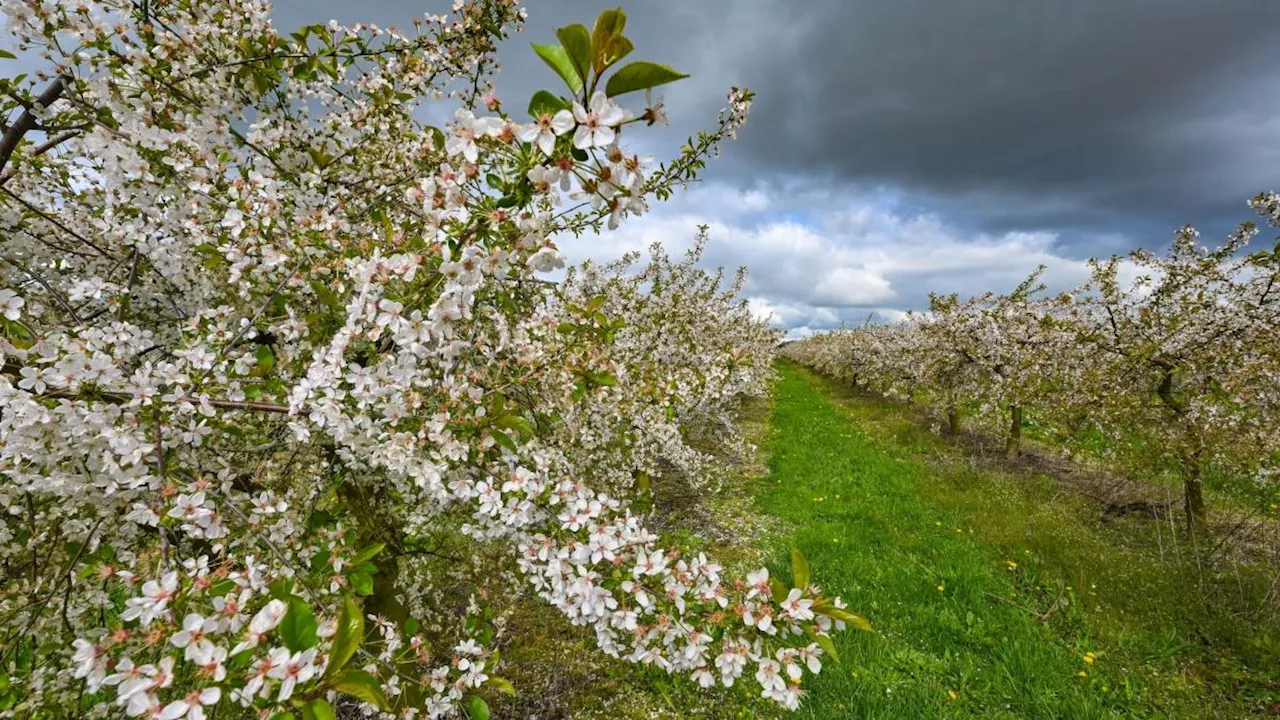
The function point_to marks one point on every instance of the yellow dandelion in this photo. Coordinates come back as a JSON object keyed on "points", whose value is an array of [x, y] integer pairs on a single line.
{"points": [[952, 694]]}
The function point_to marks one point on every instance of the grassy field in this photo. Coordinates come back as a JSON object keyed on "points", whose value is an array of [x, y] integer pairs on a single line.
{"points": [[995, 592]]}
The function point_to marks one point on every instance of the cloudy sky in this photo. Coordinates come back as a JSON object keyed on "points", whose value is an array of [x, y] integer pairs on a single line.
{"points": [[914, 145]]}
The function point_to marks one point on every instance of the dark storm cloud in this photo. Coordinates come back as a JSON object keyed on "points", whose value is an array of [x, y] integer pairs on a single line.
{"points": [[1090, 114], [1088, 117]]}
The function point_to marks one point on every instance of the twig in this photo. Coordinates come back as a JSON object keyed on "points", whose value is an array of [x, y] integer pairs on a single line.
{"points": [[50, 144], [56, 223]]}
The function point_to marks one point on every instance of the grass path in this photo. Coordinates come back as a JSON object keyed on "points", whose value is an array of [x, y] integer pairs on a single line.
{"points": [[988, 591]]}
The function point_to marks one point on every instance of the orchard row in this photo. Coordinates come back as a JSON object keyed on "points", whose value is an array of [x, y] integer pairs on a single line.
{"points": [[1162, 365]]}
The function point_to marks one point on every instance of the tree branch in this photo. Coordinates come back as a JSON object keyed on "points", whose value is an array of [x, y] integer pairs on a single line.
{"points": [[13, 369], [28, 119], [50, 144]]}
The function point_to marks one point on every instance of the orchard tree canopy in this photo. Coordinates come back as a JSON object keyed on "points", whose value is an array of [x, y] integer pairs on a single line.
{"points": [[266, 335], [1177, 368]]}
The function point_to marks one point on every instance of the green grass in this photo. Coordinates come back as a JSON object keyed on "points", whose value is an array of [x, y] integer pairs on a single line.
{"points": [[887, 512], [993, 585]]}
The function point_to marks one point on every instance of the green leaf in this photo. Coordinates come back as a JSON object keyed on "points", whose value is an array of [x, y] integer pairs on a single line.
{"points": [[517, 423], [799, 569], [608, 24], [640, 76], [576, 41], [348, 638], [326, 295], [307, 69], [319, 157], [545, 103], [477, 708], [824, 642], [437, 137], [369, 553], [780, 591], [266, 359], [281, 589], [221, 588], [298, 627], [322, 710], [7, 55], [843, 615], [607, 43], [361, 685], [619, 47], [556, 57], [505, 441], [362, 583], [502, 685]]}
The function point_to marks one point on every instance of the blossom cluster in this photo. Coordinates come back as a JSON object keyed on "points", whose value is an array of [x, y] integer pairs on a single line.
{"points": [[267, 337]]}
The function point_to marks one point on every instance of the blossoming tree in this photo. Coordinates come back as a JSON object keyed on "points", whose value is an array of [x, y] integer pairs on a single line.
{"points": [[1193, 340], [1174, 369], [265, 333]]}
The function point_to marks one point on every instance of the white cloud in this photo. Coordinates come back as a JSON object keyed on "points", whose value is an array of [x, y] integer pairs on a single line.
{"points": [[846, 258], [799, 333], [851, 287]]}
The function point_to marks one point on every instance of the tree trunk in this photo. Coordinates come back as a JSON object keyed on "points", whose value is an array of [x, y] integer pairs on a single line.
{"points": [[1013, 442], [953, 421], [1193, 499]]}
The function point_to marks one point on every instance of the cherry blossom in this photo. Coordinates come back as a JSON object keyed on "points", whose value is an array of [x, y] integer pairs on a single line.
{"points": [[11, 304], [597, 122], [544, 130]]}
